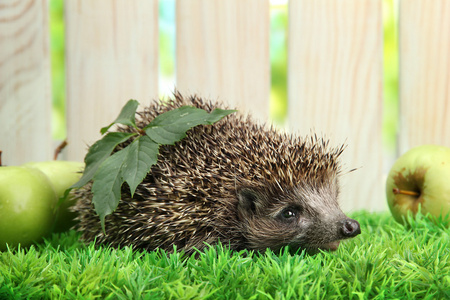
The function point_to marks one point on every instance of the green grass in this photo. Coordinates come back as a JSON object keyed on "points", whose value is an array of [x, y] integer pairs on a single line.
{"points": [[387, 261]]}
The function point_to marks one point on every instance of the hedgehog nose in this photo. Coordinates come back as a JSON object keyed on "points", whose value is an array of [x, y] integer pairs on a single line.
{"points": [[350, 228]]}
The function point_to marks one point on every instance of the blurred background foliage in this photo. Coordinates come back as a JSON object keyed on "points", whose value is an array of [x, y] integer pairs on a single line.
{"points": [[278, 59], [57, 66]]}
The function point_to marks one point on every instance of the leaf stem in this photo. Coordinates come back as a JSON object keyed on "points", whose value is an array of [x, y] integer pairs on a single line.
{"points": [[397, 191]]}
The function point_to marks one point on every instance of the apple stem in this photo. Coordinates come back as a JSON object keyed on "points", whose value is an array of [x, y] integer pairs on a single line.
{"points": [[0, 158], [403, 192], [59, 149]]}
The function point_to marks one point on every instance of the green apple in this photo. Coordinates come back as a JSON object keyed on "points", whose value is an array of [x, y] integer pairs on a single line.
{"points": [[62, 175], [27, 206], [420, 176]]}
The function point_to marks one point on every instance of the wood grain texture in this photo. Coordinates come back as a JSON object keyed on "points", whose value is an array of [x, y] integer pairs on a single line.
{"points": [[335, 87], [223, 52], [424, 31], [25, 95], [111, 57]]}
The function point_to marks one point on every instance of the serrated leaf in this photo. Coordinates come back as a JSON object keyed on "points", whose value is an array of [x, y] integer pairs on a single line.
{"points": [[107, 184], [142, 155], [171, 126], [126, 116], [100, 151], [134, 162]]}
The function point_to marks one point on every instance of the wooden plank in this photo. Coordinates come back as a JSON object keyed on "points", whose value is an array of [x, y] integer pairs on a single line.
{"points": [[223, 52], [335, 88], [424, 31], [25, 95], [112, 56]]}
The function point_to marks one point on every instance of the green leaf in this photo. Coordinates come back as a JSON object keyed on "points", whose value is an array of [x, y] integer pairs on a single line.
{"points": [[126, 116], [107, 184], [171, 126], [218, 114], [142, 155], [100, 151], [134, 162]]}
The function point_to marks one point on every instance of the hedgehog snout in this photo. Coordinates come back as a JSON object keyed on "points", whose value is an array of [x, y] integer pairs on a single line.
{"points": [[350, 228]]}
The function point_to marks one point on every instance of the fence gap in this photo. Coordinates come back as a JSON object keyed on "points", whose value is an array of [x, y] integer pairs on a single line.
{"points": [[167, 46], [390, 83], [278, 62]]}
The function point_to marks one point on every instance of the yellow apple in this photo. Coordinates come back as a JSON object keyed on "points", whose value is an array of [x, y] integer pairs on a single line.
{"points": [[27, 206], [421, 176], [62, 175]]}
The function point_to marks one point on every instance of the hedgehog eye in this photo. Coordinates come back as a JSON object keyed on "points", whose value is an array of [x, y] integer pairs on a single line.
{"points": [[289, 213]]}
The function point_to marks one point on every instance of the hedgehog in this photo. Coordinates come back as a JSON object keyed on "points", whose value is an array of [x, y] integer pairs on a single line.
{"points": [[245, 184]]}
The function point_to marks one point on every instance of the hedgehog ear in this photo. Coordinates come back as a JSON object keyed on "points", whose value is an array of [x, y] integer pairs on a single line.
{"points": [[247, 200]]}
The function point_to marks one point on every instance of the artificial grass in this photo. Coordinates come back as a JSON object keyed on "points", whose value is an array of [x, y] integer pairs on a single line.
{"points": [[387, 261]]}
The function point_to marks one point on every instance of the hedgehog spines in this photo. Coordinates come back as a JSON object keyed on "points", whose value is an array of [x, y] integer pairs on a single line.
{"points": [[191, 195]]}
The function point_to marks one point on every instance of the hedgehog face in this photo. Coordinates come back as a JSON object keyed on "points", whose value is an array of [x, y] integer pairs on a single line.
{"points": [[302, 218]]}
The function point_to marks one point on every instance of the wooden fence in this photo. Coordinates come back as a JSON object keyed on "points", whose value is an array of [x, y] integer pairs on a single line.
{"points": [[335, 72]]}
